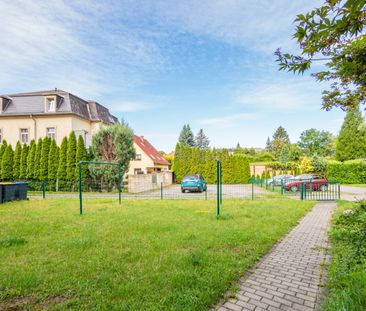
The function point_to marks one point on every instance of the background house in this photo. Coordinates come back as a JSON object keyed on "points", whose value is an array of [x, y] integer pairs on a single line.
{"points": [[54, 113], [148, 159]]}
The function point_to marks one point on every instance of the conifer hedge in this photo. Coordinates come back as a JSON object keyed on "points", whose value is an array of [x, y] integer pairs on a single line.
{"points": [[348, 172], [191, 160]]}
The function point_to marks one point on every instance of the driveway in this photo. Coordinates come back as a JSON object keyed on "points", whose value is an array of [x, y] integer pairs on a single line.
{"points": [[350, 193]]}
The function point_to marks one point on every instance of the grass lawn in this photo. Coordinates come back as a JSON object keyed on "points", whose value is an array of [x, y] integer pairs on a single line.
{"points": [[346, 283], [143, 255]]}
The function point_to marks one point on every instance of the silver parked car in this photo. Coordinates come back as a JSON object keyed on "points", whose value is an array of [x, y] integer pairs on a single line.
{"points": [[280, 179]]}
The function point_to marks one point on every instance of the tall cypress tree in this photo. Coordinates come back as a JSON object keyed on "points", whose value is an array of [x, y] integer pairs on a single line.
{"points": [[31, 159], [71, 157], [43, 169], [351, 143], [16, 160], [81, 155], [62, 163], [23, 162], [7, 164], [53, 160], [2, 150], [37, 159]]}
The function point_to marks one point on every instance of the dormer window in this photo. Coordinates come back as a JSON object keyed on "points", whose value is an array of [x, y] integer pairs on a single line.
{"points": [[51, 104]]}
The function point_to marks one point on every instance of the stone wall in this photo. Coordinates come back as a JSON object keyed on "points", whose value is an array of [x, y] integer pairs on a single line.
{"points": [[147, 182]]}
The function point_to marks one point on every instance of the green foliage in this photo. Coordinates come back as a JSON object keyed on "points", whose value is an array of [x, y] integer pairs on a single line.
{"points": [[23, 162], [43, 169], [317, 142], [81, 155], [186, 136], [285, 154], [334, 32], [269, 146], [319, 164], [7, 164], [280, 138], [192, 160], [62, 163], [346, 282], [114, 143], [348, 172], [201, 140], [306, 165], [16, 160], [37, 159], [71, 156], [31, 159], [351, 142], [53, 161], [2, 150]]}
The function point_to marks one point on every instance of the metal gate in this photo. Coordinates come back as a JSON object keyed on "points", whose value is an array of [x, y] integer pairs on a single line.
{"points": [[330, 192]]}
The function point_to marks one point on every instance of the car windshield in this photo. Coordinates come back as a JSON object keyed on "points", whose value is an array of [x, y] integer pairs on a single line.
{"points": [[190, 177]]}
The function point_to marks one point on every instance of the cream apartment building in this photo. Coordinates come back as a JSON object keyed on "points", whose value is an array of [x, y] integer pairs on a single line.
{"points": [[54, 113]]}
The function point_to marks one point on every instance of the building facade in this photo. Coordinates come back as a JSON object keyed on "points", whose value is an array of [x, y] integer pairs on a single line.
{"points": [[55, 113], [148, 160]]}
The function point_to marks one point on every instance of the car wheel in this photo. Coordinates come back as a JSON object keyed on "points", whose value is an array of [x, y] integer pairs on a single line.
{"points": [[323, 188], [183, 190], [294, 188], [200, 189]]}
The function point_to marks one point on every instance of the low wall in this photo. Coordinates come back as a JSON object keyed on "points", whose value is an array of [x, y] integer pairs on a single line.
{"points": [[147, 182]]}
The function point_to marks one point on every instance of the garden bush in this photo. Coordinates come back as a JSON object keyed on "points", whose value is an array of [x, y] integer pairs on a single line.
{"points": [[348, 172]]}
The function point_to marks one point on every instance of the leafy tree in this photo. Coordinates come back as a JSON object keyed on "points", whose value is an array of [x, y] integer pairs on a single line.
{"points": [[268, 147], [333, 33], [306, 165], [351, 142], [319, 164], [2, 150], [71, 157], [37, 159], [23, 162], [43, 169], [62, 163], [280, 138], [201, 140], [16, 160], [114, 143], [285, 154], [186, 136], [53, 161], [317, 142], [31, 159], [81, 155], [295, 152], [7, 164]]}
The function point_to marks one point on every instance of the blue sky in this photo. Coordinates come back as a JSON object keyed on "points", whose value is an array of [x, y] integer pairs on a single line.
{"points": [[161, 64]]}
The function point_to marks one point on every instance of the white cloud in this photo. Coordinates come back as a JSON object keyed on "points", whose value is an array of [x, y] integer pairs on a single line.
{"points": [[228, 120]]}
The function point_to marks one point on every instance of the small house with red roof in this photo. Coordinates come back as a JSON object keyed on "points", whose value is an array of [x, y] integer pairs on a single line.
{"points": [[148, 160]]}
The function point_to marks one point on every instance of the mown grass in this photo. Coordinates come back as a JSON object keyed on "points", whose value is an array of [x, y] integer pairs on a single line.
{"points": [[143, 255], [346, 283]]}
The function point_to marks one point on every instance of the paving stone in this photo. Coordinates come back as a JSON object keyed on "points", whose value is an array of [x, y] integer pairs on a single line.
{"points": [[287, 278]]}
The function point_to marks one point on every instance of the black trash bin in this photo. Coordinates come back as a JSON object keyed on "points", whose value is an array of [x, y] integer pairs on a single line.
{"points": [[21, 190], [8, 193]]}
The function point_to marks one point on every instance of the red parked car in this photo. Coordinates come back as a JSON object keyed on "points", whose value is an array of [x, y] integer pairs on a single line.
{"points": [[317, 183]]}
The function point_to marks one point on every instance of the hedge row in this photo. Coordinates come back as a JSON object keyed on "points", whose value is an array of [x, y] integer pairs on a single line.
{"points": [[348, 172], [188, 160]]}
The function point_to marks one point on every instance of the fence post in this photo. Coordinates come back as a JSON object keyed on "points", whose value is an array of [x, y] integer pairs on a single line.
{"points": [[119, 182], [281, 186], [161, 191], [43, 189], [220, 183], [206, 193], [218, 186], [252, 190], [301, 192], [339, 191], [80, 187]]}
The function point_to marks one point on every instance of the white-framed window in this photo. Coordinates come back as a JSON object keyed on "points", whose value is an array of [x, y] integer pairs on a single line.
{"points": [[51, 104], [51, 132], [24, 136], [138, 157], [138, 171]]}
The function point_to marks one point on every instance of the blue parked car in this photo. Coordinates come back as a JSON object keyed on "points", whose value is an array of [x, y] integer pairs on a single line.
{"points": [[194, 182]]}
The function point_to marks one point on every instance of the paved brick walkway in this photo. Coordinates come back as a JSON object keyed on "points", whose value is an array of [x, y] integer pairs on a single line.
{"points": [[288, 277]]}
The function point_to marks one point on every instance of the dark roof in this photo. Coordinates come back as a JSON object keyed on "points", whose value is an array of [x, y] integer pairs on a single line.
{"points": [[149, 149], [34, 103]]}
